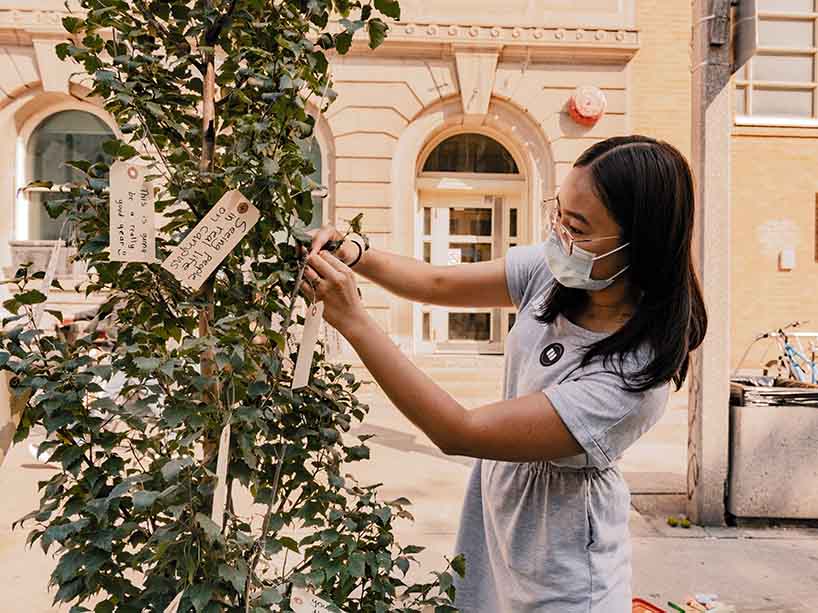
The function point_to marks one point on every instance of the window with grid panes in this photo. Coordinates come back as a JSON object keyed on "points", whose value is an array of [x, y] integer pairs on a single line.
{"points": [[779, 84]]}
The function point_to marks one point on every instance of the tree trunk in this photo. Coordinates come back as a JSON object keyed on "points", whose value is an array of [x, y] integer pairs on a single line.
{"points": [[206, 314]]}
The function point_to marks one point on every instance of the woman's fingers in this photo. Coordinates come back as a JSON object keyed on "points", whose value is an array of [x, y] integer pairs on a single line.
{"points": [[335, 262], [320, 238], [310, 274], [306, 288], [323, 268]]}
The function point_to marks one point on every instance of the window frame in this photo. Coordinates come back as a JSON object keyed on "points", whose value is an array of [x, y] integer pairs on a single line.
{"points": [[438, 142], [745, 85], [29, 124]]}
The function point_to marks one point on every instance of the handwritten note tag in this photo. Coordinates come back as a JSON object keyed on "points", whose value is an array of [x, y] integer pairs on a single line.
{"points": [[213, 238], [133, 236], [303, 601], [50, 272], [220, 494], [173, 607], [332, 342], [303, 363]]}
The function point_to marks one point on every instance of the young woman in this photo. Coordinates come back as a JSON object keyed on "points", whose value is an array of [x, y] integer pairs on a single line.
{"points": [[609, 309]]}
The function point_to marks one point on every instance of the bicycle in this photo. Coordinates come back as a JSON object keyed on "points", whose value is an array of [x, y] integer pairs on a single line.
{"points": [[792, 360]]}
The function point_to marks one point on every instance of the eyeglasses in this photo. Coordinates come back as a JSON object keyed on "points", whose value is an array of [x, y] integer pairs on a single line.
{"points": [[554, 224]]}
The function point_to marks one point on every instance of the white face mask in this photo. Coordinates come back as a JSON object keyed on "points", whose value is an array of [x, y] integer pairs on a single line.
{"points": [[575, 270]]}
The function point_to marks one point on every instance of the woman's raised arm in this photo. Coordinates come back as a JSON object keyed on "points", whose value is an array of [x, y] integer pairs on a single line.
{"points": [[481, 284]]}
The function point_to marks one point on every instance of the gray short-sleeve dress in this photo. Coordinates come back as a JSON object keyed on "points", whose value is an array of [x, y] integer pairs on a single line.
{"points": [[553, 536]]}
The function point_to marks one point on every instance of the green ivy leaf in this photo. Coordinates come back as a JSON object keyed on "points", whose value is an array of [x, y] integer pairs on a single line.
{"points": [[55, 314], [199, 595], [357, 564], [459, 565], [445, 581], [271, 596], [343, 41], [403, 565], [68, 566], [377, 32], [69, 590], [31, 297], [289, 543], [384, 513], [170, 471], [144, 499], [237, 576], [147, 364], [258, 388], [210, 528], [355, 223], [61, 532], [390, 8], [359, 452]]}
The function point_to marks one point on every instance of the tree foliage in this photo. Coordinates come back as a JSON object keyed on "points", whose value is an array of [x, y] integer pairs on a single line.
{"points": [[129, 512]]}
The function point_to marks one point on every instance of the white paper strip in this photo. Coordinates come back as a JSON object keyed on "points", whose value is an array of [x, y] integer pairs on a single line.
{"points": [[332, 342], [302, 601], [220, 494], [306, 348], [213, 238], [132, 231], [173, 607], [50, 273]]}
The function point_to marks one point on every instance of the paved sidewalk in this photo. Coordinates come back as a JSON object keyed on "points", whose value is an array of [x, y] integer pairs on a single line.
{"points": [[758, 570]]}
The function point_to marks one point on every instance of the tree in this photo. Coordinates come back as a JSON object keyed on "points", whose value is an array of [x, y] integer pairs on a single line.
{"points": [[213, 96]]}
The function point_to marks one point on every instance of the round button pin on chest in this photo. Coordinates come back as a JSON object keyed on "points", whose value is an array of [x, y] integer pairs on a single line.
{"points": [[551, 354]]}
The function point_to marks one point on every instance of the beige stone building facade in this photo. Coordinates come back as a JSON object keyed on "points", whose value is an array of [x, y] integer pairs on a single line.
{"points": [[450, 135]]}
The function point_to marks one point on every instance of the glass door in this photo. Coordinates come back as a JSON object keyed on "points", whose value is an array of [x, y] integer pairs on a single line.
{"points": [[461, 229]]}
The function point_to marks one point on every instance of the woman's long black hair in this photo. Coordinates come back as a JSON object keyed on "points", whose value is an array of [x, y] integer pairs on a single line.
{"points": [[647, 186]]}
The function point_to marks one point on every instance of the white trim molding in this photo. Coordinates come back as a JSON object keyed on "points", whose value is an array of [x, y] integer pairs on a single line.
{"points": [[775, 122], [534, 42], [19, 27]]}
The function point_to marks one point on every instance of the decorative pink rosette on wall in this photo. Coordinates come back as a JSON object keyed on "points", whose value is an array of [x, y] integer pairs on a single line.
{"points": [[587, 105]]}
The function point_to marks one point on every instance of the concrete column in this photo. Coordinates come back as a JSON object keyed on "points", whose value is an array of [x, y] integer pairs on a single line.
{"points": [[708, 413]]}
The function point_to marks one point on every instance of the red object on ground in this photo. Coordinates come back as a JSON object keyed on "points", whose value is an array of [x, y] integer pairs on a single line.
{"points": [[587, 105], [643, 606]]}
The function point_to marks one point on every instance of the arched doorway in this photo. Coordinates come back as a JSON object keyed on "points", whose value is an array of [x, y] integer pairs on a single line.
{"points": [[471, 208]]}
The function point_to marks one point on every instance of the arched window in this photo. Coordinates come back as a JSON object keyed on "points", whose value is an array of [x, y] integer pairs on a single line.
{"points": [[63, 137], [312, 151], [470, 153]]}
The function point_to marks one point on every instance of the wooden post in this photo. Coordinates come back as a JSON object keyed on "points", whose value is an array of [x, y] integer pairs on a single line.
{"points": [[206, 161]]}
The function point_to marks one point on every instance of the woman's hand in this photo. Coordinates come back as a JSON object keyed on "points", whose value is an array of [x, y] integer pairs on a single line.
{"points": [[326, 234], [328, 279], [322, 236]]}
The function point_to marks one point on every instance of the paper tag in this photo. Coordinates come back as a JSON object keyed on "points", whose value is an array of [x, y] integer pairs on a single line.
{"points": [[213, 238], [220, 493], [50, 273], [332, 342], [302, 601], [173, 607], [133, 235], [303, 363]]}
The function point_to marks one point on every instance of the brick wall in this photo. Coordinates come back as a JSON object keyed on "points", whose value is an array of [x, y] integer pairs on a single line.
{"points": [[660, 73], [773, 207]]}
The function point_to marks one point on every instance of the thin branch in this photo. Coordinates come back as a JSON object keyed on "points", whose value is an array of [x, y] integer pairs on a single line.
{"points": [[261, 543], [212, 37]]}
